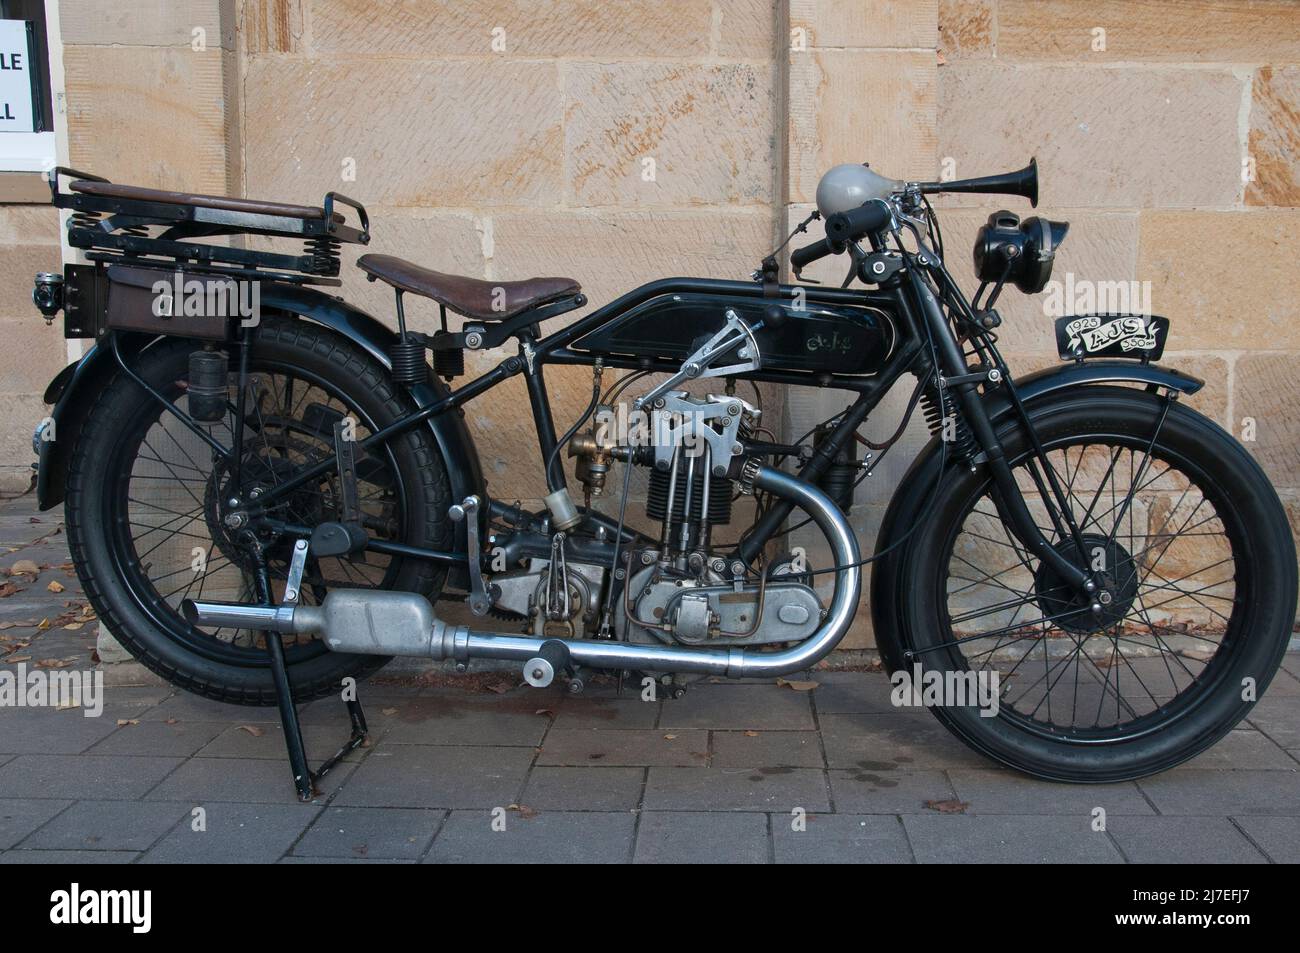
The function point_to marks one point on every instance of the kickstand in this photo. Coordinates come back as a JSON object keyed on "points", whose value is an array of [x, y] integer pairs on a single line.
{"points": [[304, 778]]}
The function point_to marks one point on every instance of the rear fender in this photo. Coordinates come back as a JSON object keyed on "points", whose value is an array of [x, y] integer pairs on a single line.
{"points": [[73, 390]]}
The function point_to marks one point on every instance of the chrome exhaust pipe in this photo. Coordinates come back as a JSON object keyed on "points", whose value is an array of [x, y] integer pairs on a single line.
{"points": [[401, 623]]}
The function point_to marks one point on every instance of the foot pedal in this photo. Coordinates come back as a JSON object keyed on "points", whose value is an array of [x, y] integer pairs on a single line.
{"points": [[552, 657]]}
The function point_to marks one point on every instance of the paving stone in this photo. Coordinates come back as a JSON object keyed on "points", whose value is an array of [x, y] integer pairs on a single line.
{"points": [[853, 693], [841, 839], [552, 837], [739, 708], [1182, 840], [184, 706], [1291, 663], [915, 740], [1007, 839], [108, 825], [237, 741], [1009, 792], [1284, 683], [451, 777], [235, 834], [888, 791], [469, 721], [1279, 837], [737, 789], [588, 711], [584, 789], [773, 749], [1278, 716], [136, 696], [20, 816], [68, 857], [246, 780], [82, 776], [343, 860], [630, 747], [1211, 793], [370, 832], [47, 731], [159, 738], [702, 838], [1243, 750]]}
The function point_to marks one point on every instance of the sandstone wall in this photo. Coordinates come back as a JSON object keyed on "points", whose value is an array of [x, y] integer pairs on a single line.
{"points": [[620, 142]]}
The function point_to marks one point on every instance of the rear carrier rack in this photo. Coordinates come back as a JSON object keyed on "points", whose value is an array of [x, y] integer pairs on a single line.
{"points": [[133, 233]]}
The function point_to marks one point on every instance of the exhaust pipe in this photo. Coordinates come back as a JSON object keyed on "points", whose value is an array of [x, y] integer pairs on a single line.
{"points": [[401, 623]]}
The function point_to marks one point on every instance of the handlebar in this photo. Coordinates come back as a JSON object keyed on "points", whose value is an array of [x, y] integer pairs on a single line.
{"points": [[842, 228], [801, 258], [870, 217]]}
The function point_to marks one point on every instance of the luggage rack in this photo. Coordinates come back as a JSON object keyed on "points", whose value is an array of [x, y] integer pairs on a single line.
{"points": [[154, 228]]}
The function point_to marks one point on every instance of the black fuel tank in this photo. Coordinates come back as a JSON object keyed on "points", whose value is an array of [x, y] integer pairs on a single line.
{"points": [[840, 339]]}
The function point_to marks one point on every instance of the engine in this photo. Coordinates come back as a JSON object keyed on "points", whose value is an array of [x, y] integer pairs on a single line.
{"points": [[678, 589]]}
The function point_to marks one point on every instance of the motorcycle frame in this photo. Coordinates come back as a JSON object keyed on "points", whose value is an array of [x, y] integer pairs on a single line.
{"points": [[908, 301]]}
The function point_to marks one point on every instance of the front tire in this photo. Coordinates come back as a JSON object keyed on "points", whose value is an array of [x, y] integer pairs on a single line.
{"points": [[1194, 648]]}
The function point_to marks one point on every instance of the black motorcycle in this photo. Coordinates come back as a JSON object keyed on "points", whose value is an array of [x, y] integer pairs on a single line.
{"points": [[268, 491]]}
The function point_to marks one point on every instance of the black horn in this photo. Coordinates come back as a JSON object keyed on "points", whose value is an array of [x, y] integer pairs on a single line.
{"points": [[1023, 182]]}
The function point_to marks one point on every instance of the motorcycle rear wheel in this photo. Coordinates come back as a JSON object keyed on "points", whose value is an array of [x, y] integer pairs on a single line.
{"points": [[1177, 657], [145, 497]]}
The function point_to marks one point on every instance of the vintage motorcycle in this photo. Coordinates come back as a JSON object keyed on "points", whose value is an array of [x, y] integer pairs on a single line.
{"points": [[263, 502]]}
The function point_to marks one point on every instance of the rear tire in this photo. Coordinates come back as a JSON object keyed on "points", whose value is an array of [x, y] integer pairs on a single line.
{"points": [[117, 579]]}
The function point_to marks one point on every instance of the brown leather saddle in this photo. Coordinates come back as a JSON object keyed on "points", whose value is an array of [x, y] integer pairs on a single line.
{"points": [[472, 297]]}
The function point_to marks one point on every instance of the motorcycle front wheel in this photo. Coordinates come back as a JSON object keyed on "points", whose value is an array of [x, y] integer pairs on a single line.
{"points": [[1199, 570]]}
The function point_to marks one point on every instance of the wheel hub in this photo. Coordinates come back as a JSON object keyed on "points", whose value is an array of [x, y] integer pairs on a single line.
{"points": [[1112, 568]]}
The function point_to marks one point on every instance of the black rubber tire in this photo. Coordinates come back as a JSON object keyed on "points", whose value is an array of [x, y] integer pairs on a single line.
{"points": [[1262, 631], [121, 406]]}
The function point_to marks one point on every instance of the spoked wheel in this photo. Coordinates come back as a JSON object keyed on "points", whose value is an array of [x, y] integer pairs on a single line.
{"points": [[1196, 601], [149, 507]]}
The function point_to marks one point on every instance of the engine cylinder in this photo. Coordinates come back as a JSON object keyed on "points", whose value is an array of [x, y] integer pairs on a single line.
{"points": [[719, 498]]}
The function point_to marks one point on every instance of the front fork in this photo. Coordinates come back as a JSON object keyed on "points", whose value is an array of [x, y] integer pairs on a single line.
{"points": [[1009, 500]]}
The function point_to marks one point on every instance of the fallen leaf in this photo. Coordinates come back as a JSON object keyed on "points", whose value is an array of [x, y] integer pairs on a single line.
{"points": [[53, 663], [670, 737], [64, 706], [172, 721], [253, 730], [797, 686], [55, 586], [74, 626], [8, 589], [388, 711], [751, 734], [123, 722], [24, 567], [13, 659], [545, 711], [524, 810], [948, 807], [499, 688]]}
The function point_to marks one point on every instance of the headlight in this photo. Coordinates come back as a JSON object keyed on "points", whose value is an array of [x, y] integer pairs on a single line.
{"points": [[1007, 249]]}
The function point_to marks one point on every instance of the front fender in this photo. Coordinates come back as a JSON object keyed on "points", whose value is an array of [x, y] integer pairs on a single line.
{"points": [[905, 507], [73, 390]]}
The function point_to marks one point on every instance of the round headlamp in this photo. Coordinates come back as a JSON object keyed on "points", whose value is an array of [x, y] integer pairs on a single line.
{"points": [[1019, 252]]}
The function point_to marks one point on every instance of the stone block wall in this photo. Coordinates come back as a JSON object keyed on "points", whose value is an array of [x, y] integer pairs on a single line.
{"points": [[620, 142]]}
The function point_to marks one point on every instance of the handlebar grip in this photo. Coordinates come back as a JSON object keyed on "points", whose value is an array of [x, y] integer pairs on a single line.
{"points": [[849, 226], [801, 258]]}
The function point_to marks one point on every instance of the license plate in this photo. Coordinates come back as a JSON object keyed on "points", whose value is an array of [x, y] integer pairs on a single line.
{"points": [[1111, 335]]}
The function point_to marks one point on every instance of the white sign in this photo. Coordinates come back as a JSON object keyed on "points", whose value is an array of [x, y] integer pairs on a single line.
{"points": [[15, 78]]}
